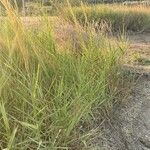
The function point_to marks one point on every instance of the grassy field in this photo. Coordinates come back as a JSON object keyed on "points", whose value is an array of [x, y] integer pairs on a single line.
{"points": [[49, 96], [118, 17]]}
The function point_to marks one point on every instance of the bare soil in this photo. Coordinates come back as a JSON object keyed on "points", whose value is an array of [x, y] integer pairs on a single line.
{"points": [[140, 43]]}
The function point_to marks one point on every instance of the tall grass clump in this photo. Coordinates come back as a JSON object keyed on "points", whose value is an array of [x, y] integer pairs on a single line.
{"points": [[120, 17], [47, 95]]}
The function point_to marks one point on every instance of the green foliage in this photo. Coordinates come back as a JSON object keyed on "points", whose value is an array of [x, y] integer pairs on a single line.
{"points": [[47, 95]]}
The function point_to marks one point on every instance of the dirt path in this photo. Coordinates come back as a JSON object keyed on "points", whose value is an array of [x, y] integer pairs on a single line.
{"points": [[140, 43], [129, 128]]}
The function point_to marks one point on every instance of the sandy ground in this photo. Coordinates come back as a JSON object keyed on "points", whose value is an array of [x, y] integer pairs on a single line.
{"points": [[140, 43], [129, 126]]}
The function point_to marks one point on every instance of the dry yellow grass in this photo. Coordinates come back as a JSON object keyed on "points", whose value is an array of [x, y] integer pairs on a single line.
{"points": [[136, 18]]}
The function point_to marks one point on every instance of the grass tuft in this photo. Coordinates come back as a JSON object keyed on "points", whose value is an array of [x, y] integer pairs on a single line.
{"points": [[48, 94]]}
